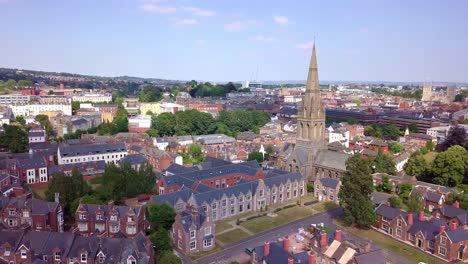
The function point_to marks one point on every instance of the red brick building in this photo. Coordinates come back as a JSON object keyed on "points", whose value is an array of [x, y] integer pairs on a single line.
{"points": [[109, 220], [25, 212]]}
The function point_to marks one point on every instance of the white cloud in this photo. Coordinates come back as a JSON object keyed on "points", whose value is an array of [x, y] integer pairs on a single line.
{"points": [[239, 25], [158, 8], [264, 39], [306, 45], [186, 21], [281, 20], [200, 42], [196, 11]]}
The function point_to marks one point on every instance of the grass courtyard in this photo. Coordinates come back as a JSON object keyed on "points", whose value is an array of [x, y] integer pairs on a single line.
{"points": [[232, 236], [390, 244]]}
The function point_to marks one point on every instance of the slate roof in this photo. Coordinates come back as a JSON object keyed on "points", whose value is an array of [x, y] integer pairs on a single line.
{"points": [[79, 122], [32, 163], [175, 168], [171, 198], [379, 198], [122, 210], [331, 159], [36, 206], [389, 212], [80, 150], [133, 159], [329, 182], [374, 257], [429, 228], [83, 167], [432, 196], [36, 134], [187, 219], [116, 250], [457, 235], [210, 162]]}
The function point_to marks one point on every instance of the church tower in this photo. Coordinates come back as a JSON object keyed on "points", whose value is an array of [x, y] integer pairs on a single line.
{"points": [[311, 114]]}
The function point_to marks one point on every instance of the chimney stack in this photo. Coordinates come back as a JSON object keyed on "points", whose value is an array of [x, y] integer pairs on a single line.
{"points": [[456, 204], [410, 218], [367, 248], [286, 244], [290, 260], [421, 216], [453, 225], [266, 248], [338, 235], [323, 239], [441, 229], [387, 203], [311, 258]]}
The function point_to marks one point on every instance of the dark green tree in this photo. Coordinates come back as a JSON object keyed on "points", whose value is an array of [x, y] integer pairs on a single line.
{"points": [[161, 216], [456, 136], [161, 240], [395, 147], [45, 123], [416, 165], [414, 202], [449, 166], [21, 120], [413, 128], [396, 202], [14, 139], [164, 124], [386, 186], [355, 193], [384, 163], [255, 155]]}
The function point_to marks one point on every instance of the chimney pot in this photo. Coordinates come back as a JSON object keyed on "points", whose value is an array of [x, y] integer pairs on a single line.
{"points": [[421, 216], [410, 218], [290, 260], [338, 235], [286, 244], [323, 239], [441, 229], [456, 204], [453, 225], [266, 248], [311, 258]]}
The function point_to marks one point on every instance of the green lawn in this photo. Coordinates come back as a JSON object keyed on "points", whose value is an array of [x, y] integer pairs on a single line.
{"points": [[206, 253], [285, 216], [430, 156], [222, 225], [232, 236], [40, 192], [390, 244]]}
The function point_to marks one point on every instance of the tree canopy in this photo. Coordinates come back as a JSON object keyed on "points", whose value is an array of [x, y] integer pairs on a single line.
{"points": [[355, 193], [456, 136], [14, 139], [150, 94], [390, 131], [255, 155], [209, 90], [161, 216], [449, 167], [384, 163]]}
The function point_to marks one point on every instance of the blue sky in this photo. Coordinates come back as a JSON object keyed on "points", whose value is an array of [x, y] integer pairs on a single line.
{"points": [[222, 40]]}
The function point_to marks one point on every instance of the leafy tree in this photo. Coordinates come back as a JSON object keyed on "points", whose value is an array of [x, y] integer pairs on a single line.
{"points": [[405, 190], [150, 94], [355, 194], [461, 97], [386, 186], [45, 123], [149, 113], [255, 155], [195, 154], [456, 136], [14, 139], [164, 124], [383, 131], [416, 165], [384, 163], [395, 147], [414, 202], [75, 106], [24, 83], [449, 166], [21, 120], [69, 188], [413, 128], [161, 216], [161, 240], [167, 257], [396, 202]]}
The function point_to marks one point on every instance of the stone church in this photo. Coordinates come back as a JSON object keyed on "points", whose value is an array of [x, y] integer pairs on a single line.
{"points": [[310, 155]]}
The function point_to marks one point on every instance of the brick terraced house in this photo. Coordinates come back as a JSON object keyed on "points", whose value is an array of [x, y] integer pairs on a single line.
{"points": [[440, 237], [21, 247], [109, 220], [25, 212]]}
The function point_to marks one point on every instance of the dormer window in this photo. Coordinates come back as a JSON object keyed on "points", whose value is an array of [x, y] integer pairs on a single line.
{"points": [[25, 213], [24, 253], [82, 217], [131, 260], [84, 257], [130, 219], [57, 256], [113, 218], [101, 257], [6, 253], [11, 212]]}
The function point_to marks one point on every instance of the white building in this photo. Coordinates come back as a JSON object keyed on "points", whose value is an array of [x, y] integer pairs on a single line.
{"points": [[171, 108], [93, 98], [85, 153], [292, 99], [340, 136], [161, 143], [36, 136], [441, 132], [141, 121], [11, 99], [36, 109]]}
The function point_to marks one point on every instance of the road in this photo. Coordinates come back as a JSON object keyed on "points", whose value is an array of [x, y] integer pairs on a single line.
{"points": [[238, 248]]}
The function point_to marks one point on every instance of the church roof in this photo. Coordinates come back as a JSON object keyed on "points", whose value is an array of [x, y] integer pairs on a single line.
{"points": [[331, 159]]}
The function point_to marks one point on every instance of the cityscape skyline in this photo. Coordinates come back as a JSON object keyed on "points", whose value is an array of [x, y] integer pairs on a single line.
{"points": [[390, 41]]}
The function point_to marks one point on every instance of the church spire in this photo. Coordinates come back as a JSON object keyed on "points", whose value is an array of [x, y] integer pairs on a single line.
{"points": [[312, 77]]}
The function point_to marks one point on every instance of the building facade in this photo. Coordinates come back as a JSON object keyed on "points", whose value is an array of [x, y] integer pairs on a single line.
{"points": [[85, 153]]}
